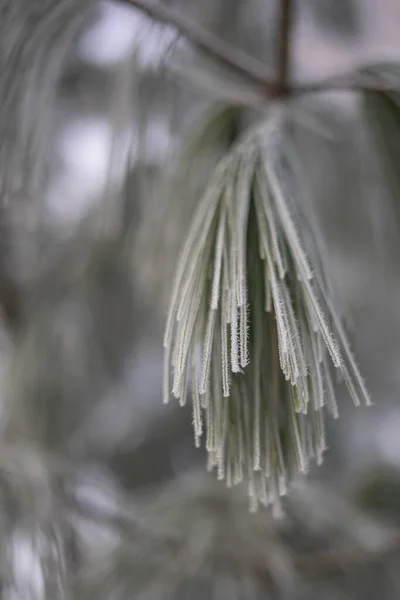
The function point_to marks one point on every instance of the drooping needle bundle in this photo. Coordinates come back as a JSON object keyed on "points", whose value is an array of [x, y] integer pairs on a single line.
{"points": [[246, 325]]}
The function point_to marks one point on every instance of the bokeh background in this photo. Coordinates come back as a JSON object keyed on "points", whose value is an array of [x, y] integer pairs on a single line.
{"points": [[87, 265]]}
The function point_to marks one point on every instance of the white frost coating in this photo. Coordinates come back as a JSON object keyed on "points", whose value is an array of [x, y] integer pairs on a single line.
{"points": [[243, 294]]}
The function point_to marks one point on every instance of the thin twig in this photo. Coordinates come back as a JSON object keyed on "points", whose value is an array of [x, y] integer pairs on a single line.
{"points": [[251, 69], [283, 53], [211, 45]]}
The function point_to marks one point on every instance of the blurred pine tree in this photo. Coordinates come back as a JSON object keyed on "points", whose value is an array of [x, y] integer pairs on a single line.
{"points": [[157, 153]]}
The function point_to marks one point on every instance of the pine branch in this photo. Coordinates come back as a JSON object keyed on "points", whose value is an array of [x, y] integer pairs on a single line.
{"points": [[283, 55], [237, 61], [251, 69]]}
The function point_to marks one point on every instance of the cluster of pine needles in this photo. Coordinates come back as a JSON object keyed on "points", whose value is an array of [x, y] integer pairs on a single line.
{"points": [[252, 327]]}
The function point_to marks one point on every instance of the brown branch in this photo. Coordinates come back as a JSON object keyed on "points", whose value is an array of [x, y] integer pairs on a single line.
{"points": [[283, 50], [251, 69]]}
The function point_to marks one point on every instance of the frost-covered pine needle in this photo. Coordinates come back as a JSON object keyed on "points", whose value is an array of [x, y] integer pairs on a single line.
{"points": [[245, 299]]}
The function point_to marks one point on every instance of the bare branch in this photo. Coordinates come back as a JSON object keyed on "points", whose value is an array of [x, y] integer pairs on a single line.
{"points": [[283, 54], [251, 69], [237, 61]]}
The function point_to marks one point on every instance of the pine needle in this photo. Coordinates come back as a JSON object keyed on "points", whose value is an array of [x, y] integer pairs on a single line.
{"points": [[260, 324]]}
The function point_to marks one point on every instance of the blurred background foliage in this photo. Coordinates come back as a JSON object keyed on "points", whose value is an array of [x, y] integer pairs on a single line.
{"points": [[102, 493]]}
